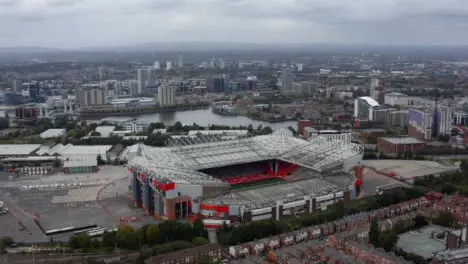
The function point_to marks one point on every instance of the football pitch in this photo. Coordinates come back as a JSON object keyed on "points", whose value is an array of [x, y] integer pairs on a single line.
{"points": [[257, 184]]}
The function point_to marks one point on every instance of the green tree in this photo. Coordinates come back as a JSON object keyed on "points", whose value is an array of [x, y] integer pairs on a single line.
{"points": [[374, 232], [420, 221], [100, 161], [109, 239], [95, 134], [388, 240], [153, 234], [200, 241], [444, 219], [128, 238], [199, 227]]}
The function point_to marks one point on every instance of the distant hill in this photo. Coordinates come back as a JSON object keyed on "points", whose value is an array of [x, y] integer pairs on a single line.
{"points": [[27, 49]]}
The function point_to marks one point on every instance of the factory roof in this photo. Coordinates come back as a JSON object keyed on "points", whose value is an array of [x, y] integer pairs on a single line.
{"points": [[53, 132], [370, 100], [402, 140], [87, 150], [18, 149]]}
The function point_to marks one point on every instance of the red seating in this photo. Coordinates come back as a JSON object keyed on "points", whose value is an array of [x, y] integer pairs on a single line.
{"points": [[285, 169]]}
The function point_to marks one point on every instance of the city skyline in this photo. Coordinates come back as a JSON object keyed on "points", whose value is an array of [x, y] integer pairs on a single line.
{"points": [[47, 23]]}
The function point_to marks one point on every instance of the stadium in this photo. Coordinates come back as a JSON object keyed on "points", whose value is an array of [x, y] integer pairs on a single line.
{"points": [[243, 178]]}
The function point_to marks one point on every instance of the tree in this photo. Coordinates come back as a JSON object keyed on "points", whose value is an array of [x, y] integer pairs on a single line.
{"points": [[128, 238], [448, 188], [152, 234], [200, 241], [374, 232], [95, 134], [388, 240], [444, 219], [420, 221], [199, 227], [100, 161]]}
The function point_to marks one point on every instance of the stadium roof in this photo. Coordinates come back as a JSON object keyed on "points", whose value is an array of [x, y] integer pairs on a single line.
{"points": [[181, 163]]}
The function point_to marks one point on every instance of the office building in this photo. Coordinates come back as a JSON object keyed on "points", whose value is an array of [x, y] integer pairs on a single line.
{"points": [[91, 95], [166, 95], [180, 62], [364, 108], [141, 80], [150, 77], [168, 65], [16, 86], [222, 64], [157, 65], [377, 91], [299, 67], [287, 79], [34, 90], [133, 88]]}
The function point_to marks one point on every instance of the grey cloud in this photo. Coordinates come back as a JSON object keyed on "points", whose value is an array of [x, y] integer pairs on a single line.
{"points": [[64, 2], [140, 21]]}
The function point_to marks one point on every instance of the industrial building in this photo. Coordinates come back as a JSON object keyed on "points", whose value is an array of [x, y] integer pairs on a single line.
{"points": [[196, 179], [396, 145]]}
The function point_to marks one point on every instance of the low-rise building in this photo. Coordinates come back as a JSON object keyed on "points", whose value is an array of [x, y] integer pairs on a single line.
{"points": [[396, 145], [212, 252]]}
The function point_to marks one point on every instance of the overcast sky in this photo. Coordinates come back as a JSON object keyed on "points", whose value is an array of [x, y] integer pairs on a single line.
{"points": [[85, 23]]}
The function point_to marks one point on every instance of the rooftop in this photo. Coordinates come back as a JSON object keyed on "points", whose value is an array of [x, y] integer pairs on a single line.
{"points": [[182, 162], [18, 149], [53, 132], [370, 101], [402, 140]]}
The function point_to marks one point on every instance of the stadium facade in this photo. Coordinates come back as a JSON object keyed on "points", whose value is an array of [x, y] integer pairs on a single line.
{"points": [[180, 181]]}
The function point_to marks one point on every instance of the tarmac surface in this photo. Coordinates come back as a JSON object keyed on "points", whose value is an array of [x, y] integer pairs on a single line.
{"points": [[62, 200]]}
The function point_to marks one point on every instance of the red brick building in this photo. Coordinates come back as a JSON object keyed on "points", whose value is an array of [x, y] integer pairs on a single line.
{"points": [[395, 145]]}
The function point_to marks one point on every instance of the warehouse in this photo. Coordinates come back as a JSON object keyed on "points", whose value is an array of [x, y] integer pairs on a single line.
{"points": [[32, 165], [86, 152], [18, 150], [84, 165], [396, 145]]}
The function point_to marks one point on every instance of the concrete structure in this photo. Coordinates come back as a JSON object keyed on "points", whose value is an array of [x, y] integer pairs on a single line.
{"points": [[89, 95], [363, 107], [165, 180], [166, 95], [399, 145]]}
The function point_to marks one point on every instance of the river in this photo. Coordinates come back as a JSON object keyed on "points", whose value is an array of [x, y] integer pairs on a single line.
{"points": [[203, 117]]}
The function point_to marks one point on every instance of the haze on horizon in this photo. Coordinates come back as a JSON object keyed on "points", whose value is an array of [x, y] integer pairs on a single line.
{"points": [[100, 23]]}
